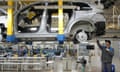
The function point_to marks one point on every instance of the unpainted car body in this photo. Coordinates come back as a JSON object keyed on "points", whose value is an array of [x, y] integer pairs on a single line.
{"points": [[39, 21], [3, 24]]}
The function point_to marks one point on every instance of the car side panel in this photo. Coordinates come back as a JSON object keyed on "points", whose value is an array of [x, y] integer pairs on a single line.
{"points": [[76, 18]]}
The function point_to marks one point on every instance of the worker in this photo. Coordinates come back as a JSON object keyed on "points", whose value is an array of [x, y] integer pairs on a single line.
{"points": [[22, 51], [107, 56]]}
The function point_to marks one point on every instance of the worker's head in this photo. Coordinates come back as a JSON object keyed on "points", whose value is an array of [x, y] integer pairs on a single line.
{"points": [[108, 43]]}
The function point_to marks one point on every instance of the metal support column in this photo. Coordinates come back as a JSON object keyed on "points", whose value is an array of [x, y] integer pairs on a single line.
{"points": [[60, 36], [10, 36]]}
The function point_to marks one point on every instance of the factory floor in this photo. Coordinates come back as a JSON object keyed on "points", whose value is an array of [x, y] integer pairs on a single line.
{"points": [[69, 65]]}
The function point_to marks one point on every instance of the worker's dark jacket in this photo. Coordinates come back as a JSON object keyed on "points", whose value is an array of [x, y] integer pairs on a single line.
{"points": [[106, 55]]}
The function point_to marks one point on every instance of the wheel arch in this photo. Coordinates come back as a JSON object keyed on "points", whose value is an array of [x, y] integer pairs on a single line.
{"points": [[80, 25], [75, 24]]}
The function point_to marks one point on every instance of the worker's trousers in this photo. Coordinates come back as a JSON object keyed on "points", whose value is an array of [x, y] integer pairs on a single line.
{"points": [[106, 67]]}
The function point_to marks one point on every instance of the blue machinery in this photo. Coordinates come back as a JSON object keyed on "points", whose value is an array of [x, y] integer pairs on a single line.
{"points": [[10, 36]]}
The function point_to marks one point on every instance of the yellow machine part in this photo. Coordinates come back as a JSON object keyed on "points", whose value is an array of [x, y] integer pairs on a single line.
{"points": [[31, 14], [10, 18], [60, 19]]}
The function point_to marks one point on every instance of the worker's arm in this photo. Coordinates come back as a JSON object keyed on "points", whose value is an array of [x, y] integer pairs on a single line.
{"points": [[110, 51], [99, 45]]}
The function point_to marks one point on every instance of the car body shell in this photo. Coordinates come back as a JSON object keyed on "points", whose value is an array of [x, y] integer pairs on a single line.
{"points": [[86, 20]]}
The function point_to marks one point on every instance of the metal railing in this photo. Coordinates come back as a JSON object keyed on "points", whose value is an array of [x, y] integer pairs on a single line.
{"points": [[22, 63]]}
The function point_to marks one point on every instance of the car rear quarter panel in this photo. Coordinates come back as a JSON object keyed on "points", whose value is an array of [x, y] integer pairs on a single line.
{"points": [[73, 22]]}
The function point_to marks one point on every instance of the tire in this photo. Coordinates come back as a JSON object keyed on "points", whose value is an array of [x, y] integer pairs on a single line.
{"points": [[81, 29]]}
